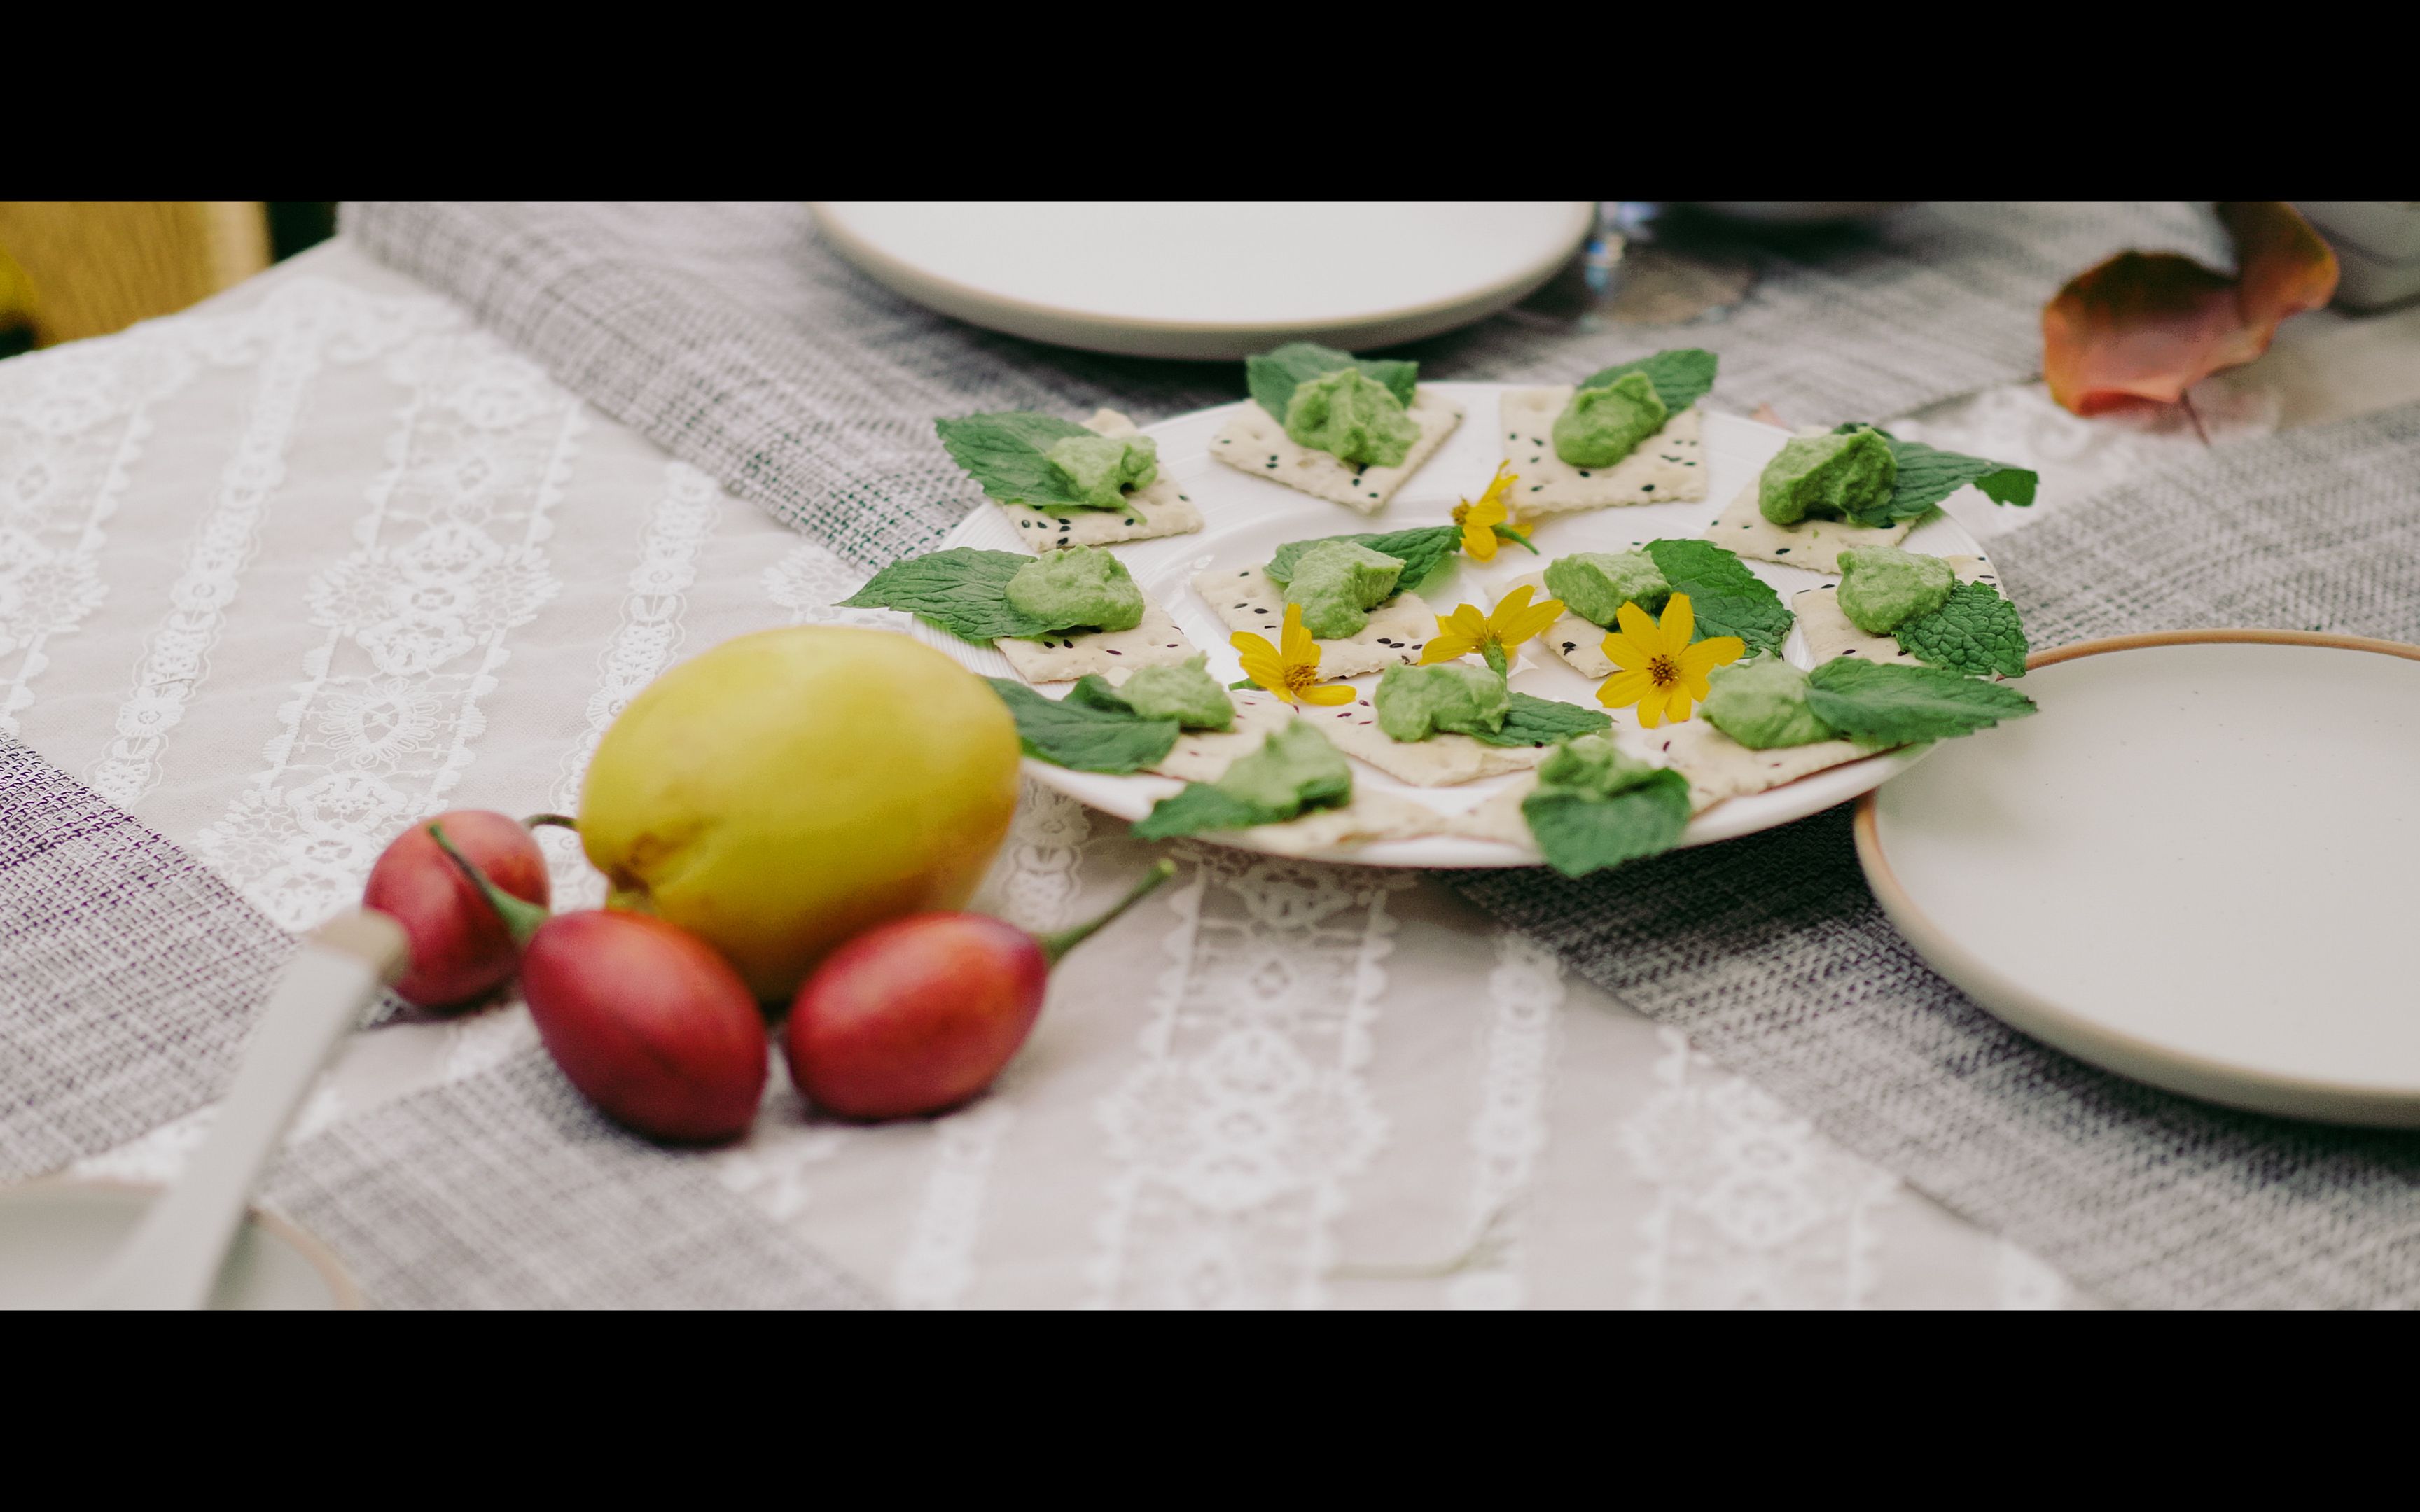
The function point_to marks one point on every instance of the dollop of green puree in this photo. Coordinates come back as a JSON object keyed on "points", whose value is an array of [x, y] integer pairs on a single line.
{"points": [[1415, 702], [1762, 705], [1826, 477], [1592, 764], [1079, 585], [1353, 417], [1338, 583], [1185, 693], [1601, 426], [1295, 766], [1883, 587], [1595, 584], [1102, 468]]}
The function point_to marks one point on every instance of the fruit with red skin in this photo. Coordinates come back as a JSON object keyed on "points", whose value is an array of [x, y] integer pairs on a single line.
{"points": [[461, 947], [920, 1015], [649, 1023]]}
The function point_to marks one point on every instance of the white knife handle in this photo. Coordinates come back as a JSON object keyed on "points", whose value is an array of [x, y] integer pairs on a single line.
{"points": [[172, 1259]]}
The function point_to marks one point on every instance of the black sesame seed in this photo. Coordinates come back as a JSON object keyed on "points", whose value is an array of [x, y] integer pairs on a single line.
{"points": [[1582, 474], [1260, 611], [1571, 645], [1113, 651], [1781, 550], [1647, 488], [1130, 521]]}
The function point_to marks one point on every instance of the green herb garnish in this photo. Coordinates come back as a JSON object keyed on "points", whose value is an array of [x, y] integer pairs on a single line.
{"points": [[1273, 376], [1975, 631], [1083, 734], [1927, 476], [1726, 595], [1536, 721], [1424, 552], [1883, 703], [1682, 376]]}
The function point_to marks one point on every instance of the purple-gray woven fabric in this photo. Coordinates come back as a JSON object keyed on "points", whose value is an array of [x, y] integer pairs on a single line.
{"points": [[1772, 955], [730, 336]]}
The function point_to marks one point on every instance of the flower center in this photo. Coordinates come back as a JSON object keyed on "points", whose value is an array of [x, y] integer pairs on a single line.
{"points": [[1665, 671], [1461, 514]]}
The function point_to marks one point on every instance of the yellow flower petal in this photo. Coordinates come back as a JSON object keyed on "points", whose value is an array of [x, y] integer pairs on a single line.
{"points": [[1328, 693], [1445, 648], [1623, 689], [1680, 622], [1249, 644], [1300, 650], [1714, 651], [1479, 540], [1676, 704], [1643, 632], [1626, 654], [1467, 622], [1529, 621], [1697, 685]]}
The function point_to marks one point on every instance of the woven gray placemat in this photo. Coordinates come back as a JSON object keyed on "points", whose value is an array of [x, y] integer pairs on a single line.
{"points": [[129, 973], [1770, 953], [506, 1190], [730, 336]]}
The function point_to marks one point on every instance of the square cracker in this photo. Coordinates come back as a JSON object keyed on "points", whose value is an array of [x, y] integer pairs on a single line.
{"points": [[1205, 755], [1158, 510], [1365, 817], [1245, 599], [1815, 545], [1441, 761], [1253, 442], [1830, 633], [1665, 468], [1577, 640], [1719, 767], [1063, 659]]}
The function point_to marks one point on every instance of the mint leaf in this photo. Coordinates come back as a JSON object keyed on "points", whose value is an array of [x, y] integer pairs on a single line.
{"points": [[1083, 736], [1927, 476], [1093, 691], [962, 589], [1423, 552], [1272, 376], [1884, 703], [1725, 593], [1977, 631], [1202, 807], [1004, 453], [1682, 376], [1579, 833], [1535, 721]]}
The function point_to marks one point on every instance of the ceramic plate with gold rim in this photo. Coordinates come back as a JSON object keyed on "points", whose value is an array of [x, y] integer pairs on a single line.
{"points": [[1246, 518], [2193, 866]]}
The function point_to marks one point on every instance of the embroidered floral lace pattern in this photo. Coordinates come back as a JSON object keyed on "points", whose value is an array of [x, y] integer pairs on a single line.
{"points": [[450, 557], [1508, 1133], [1236, 1137]]}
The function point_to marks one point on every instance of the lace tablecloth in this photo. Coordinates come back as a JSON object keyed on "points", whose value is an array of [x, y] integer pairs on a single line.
{"points": [[289, 570]]}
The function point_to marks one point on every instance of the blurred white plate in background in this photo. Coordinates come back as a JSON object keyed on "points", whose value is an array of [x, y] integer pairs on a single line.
{"points": [[1192, 279]]}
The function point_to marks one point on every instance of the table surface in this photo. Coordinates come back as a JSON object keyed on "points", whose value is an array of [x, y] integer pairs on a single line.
{"points": [[290, 569]]}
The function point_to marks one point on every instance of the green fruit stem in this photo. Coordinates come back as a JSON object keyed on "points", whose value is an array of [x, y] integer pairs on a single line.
{"points": [[521, 917], [561, 821], [1055, 946], [1495, 654]]}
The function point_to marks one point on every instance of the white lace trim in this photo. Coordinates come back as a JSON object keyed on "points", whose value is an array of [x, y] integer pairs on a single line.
{"points": [[1509, 1132], [450, 559], [1236, 1139], [938, 1266]]}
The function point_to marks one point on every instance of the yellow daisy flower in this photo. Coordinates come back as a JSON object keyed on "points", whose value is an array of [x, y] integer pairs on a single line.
{"points": [[1480, 522], [1291, 674], [1660, 671], [1494, 636]]}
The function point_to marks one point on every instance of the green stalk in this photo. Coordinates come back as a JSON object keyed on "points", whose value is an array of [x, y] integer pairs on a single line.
{"points": [[1055, 946], [521, 917], [1494, 652], [561, 821], [1506, 532]]}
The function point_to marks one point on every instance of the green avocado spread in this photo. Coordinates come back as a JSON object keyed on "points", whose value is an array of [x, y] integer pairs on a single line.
{"points": [[1079, 585], [1595, 584], [1762, 704], [1353, 417], [1185, 693], [1601, 426], [1415, 702], [1103, 468], [1883, 587], [1592, 764], [1295, 768], [1826, 477], [1338, 583]]}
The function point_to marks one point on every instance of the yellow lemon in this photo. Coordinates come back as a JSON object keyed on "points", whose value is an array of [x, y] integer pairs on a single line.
{"points": [[789, 789]]}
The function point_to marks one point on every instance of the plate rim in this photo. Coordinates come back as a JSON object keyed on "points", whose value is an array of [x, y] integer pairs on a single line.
{"points": [[2228, 1083], [343, 1292], [956, 299]]}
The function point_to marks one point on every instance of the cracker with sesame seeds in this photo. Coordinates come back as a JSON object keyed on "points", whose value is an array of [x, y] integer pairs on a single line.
{"points": [[1577, 640], [1719, 767], [1063, 659], [1252, 440], [1245, 599], [1205, 755], [1830, 633], [1161, 508], [1666, 467], [1815, 545], [1369, 816], [1441, 761]]}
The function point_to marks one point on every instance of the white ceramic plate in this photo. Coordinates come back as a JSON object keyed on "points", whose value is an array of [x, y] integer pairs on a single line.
{"points": [[2193, 866], [1191, 278], [1247, 518], [56, 1234]]}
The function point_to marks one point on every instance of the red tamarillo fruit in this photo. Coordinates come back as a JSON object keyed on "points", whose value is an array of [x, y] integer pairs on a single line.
{"points": [[461, 947]]}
